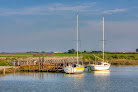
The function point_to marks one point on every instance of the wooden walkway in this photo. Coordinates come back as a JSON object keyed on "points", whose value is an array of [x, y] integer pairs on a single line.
{"points": [[6, 67], [45, 64], [42, 68], [46, 60]]}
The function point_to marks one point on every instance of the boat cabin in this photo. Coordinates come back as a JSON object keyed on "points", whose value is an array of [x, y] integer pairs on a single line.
{"points": [[102, 63]]}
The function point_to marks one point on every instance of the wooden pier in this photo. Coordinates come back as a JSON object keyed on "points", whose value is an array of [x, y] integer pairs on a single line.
{"points": [[4, 68], [46, 64], [42, 68]]}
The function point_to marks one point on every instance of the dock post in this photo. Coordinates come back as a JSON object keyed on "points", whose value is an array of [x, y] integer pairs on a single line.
{"points": [[57, 67], [27, 62], [95, 60], [14, 63], [39, 63], [42, 62], [89, 60], [4, 71], [18, 62], [29, 67], [14, 71]]}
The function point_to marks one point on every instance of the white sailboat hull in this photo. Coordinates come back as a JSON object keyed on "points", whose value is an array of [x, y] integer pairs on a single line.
{"points": [[93, 67], [73, 70], [98, 67]]}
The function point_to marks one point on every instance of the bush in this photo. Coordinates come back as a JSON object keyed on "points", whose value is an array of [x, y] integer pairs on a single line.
{"points": [[115, 56], [5, 63], [123, 57]]}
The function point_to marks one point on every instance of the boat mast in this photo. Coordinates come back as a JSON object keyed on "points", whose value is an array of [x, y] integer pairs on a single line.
{"points": [[77, 38], [103, 39]]}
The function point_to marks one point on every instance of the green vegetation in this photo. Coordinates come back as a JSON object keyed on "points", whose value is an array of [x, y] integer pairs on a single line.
{"points": [[137, 50], [114, 58], [5, 63], [108, 56], [72, 51], [16, 54]]}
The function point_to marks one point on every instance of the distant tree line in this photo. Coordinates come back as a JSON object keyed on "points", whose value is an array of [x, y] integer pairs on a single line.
{"points": [[137, 50], [92, 51], [71, 51], [35, 52], [49, 54]]}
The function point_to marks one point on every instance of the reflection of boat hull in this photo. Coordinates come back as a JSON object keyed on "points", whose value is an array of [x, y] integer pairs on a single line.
{"points": [[73, 69], [93, 67], [102, 73]]}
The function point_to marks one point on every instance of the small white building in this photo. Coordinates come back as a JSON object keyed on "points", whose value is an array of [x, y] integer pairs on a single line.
{"points": [[58, 52]]}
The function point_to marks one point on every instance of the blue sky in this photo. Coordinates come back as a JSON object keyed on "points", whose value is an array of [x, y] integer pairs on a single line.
{"points": [[50, 25]]}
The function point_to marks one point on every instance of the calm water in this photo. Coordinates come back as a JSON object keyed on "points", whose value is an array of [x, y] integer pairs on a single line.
{"points": [[117, 79]]}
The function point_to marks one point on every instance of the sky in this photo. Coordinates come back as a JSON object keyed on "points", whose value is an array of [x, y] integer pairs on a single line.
{"points": [[50, 25]]}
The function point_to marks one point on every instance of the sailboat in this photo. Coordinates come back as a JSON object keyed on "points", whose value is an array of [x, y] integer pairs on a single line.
{"points": [[99, 65], [77, 68]]}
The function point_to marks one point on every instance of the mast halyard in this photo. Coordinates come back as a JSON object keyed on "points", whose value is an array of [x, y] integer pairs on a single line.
{"points": [[103, 39], [77, 38]]}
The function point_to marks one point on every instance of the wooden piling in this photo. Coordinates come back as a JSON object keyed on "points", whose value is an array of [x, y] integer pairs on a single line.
{"points": [[39, 63], [18, 62], [4, 71]]}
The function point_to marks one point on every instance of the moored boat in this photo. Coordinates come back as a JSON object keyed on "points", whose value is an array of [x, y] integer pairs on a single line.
{"points": [[99, 65], [75, 68]]}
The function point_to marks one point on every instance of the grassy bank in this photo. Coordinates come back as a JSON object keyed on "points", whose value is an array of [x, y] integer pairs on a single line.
{"points": [[114, 58], [5, 63]]}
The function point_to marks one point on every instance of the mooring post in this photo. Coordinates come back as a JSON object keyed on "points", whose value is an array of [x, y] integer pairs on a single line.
{"points": [[47, 68], [56, 67], [29, 67], [34, 62], [89, 61], [95, 60], [14, 71], [98, 56], [63, 64], [4, 71], [14, 63], [18, 62], [27, 62], [42, 62], [39, 63]]}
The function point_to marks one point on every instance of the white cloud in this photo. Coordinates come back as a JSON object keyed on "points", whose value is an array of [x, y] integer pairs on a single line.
{"points": [[114, 11], [47, 9], [81, 7], [57, 8]]}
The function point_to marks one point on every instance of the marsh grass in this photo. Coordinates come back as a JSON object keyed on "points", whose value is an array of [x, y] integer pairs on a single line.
{"points": [[114, 58]]}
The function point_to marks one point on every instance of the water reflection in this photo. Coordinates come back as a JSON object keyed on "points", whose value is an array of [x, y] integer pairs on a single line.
{"points": [[41, 75], [94, 81], [102, 73], [4, 77], [74, 75]]}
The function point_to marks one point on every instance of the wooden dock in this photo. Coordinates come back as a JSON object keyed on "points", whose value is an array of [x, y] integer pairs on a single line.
{"points": [[45, 64], [42, 68]]}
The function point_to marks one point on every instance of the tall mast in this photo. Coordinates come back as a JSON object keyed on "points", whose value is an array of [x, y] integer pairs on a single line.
{"points": [[103, 39], [77, 38]]}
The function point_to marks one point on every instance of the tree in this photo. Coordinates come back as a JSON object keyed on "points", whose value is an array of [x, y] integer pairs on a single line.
{"points": [[85, 51], [137, 50], [42, 52], [71, 51]]}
